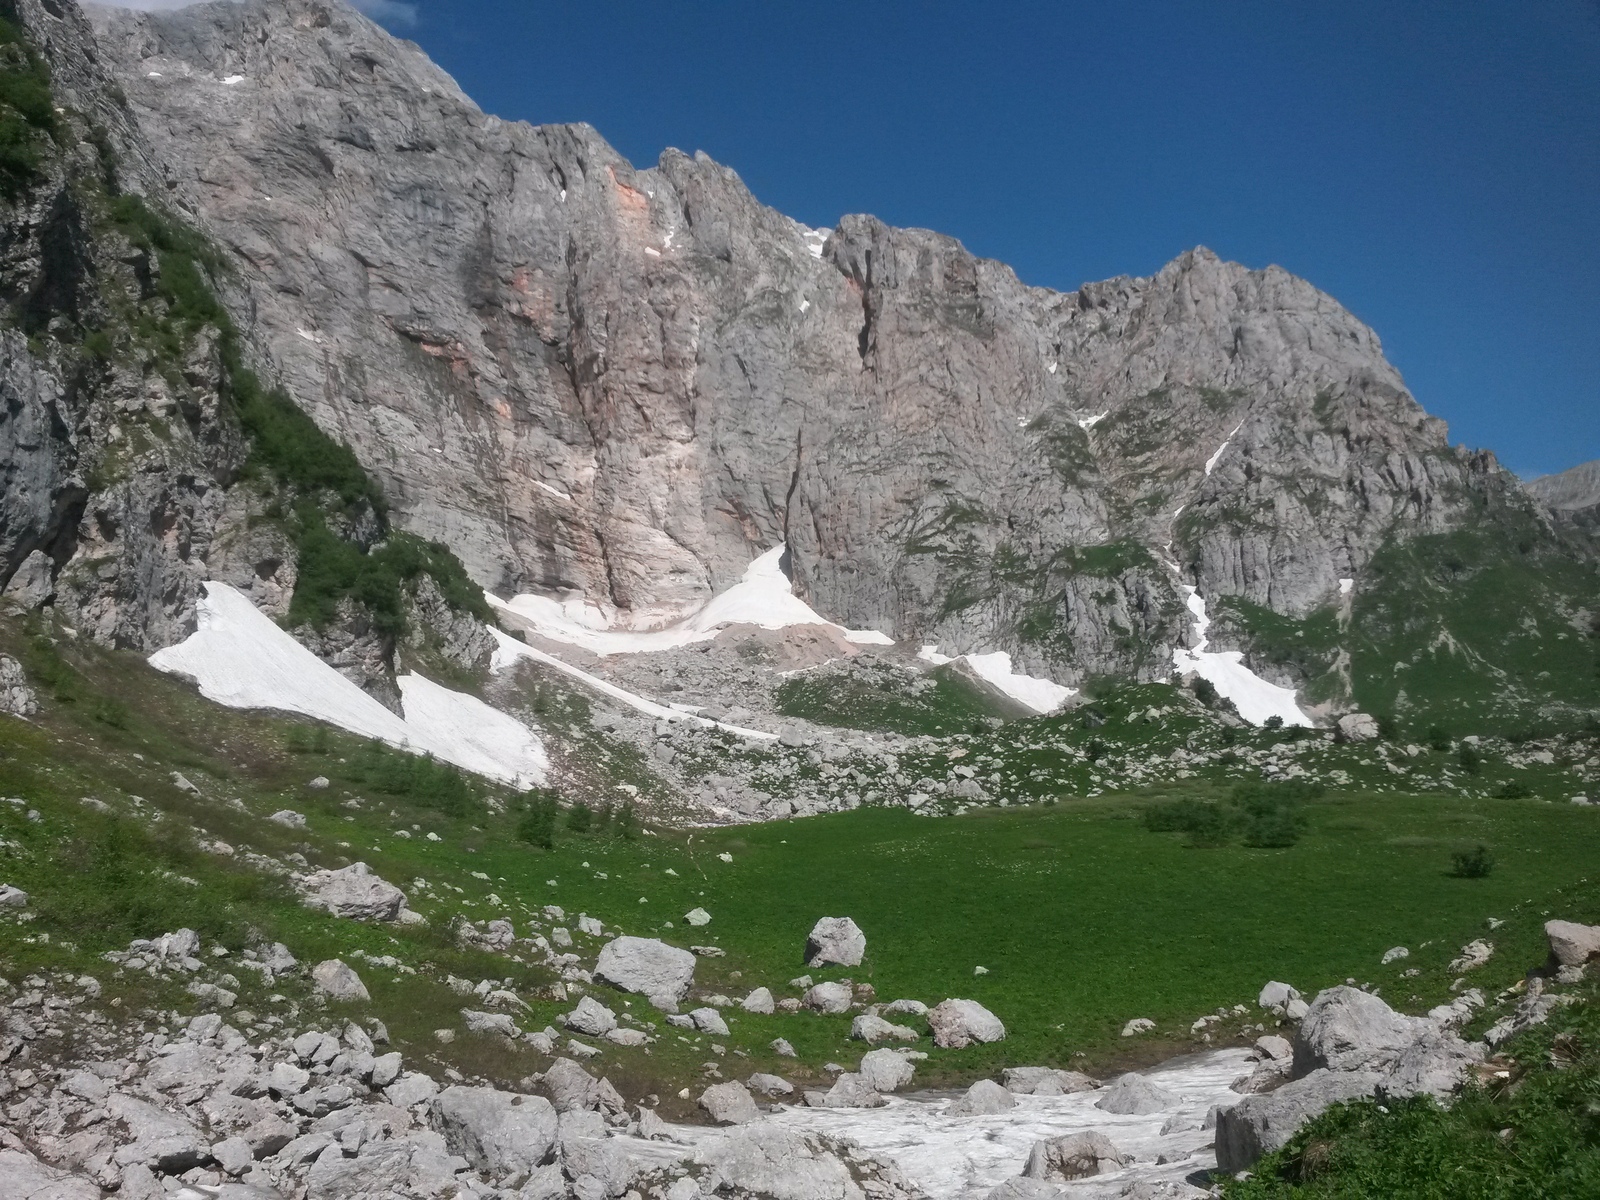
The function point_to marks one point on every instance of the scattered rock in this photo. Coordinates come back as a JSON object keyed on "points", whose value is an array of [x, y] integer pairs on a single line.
{"points": [[870, 1029], [1473, 955], [12, 897], [709, 1020], [957, 1023], [16, 697], [697, 917], [1357, 727], [336, 980], [1346, 1029], [782, 1048], [837, 940], [288, 818], [486, 1022], [772, 1085], [849, 1090], [498, 1132], [1258, 1125], [1047, 1081], [905, 1008], [1137, 1026], [1395, 955]]}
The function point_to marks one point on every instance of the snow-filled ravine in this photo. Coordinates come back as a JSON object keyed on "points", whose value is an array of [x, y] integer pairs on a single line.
{"points": [[240, 658], [953, 1157], [1253, 696], [764, 596]]}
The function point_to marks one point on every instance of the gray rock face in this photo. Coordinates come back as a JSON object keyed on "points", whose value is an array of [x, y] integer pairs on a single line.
{"points": [[1075, 1156], [586, 376], [1259, 1125], [647, 967], [495, 1131], [957, 1023], [837, 940], [26, 1178], [16, 697]]}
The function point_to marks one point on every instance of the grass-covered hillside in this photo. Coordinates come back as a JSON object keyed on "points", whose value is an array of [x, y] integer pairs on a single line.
{"points": [[1165, 901]]}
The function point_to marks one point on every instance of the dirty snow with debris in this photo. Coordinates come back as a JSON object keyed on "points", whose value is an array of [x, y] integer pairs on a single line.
{"points": [[764, 597], [952, 1157], [1253, 696], [240, 658]]}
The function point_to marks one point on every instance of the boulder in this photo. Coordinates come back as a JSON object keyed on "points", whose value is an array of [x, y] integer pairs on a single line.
{"points": [[697, 917], [771, 1085], [12, 897], [867, 1028], [486, 1022], [156, 1139], [729, 1103], [905, 1008], [339, 982], [1137, 1026], [1571, 944], [24, 1177], [1075, 1156], [1020, 1187], [1258, 1125], [709, 1020], [848, 1091], [957, 1023], [837, 940], [1433, 1065], [590, 1017], [1395, 954], [1358, 727], [885, 1070], [1346, 1029], [828, 997], [572, 1089], [1280, 998], [1473, 955], [647, 967], [353, 892], [759, 1001], [782, 1048], [1046, 1081], [776, 1162], [1133, 1095], [983, 1099]]}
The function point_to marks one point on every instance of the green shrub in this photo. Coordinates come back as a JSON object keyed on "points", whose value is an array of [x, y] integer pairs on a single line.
{"points": [[1205, 691], [537, 823], [27, 112], [1470, 758], [1472, 864], [1261, 814], [1273, 722], [1438, 739], [417, 778], [1513, 789], [580, 818]]}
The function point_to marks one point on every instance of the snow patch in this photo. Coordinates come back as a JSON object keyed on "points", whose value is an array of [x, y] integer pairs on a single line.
{"points": [[1253, 696], [652, 252], [948, 1156], [240, 658], [815, 239], [1041, 695], [554, 491], [1211, 463], [1346, 586], [764, 597], [233, 80], [1088, 423], [1051, 368]]}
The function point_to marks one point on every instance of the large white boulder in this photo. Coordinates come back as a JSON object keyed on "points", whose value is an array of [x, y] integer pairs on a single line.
{"points": [[729, 1103], [1133, 1095], [1258, 1125], [957, 1023], [590, 1017], [336, 980], [1571, 944], [1075, 1156], [868, 1028], [647, 967], [885, 1070], [837, 940], [828, 997], [983, 1099], [770, 1160], [497, 1132], [1347, 1029], [353, 892], [1047, 1081]]}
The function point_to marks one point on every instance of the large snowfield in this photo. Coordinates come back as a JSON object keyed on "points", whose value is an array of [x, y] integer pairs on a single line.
{"points": [[240, 658], [1253, 696], [764, 597]]}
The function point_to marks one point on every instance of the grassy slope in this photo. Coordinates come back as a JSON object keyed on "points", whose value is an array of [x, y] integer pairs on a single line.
{"points": [[1082, 917]]}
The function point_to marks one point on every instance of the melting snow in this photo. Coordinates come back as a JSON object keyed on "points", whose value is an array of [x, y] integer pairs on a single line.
{"points": [[764, 597], [1346, 586], [231, 80], [815, 239], [552, 490], [1253, 696], [954, 1157], [1089, 423], [241, 659], [1051, 368], [1212, 462], [1041, 695], [508, 650]]}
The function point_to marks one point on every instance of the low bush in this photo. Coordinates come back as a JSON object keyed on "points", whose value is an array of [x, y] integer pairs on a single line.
{"points": [[1260, 814], [1472, 864], [417, 778]]}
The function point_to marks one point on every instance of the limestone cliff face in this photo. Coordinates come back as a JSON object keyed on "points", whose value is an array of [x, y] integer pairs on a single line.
{"points": [[584, 376]]}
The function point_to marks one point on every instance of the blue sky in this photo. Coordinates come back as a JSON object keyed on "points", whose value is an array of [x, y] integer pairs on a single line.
{"points": [[1434, 166]]}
